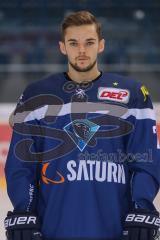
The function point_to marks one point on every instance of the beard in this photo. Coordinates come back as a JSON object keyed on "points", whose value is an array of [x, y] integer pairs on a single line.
{"points": [[85, 69]]}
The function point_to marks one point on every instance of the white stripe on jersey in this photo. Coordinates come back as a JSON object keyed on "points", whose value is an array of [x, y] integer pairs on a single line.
{"points": [[75, 107], [36, 114], [140, 114], [58, 110]]}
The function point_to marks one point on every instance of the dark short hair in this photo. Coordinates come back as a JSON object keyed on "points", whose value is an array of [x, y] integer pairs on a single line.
{"points": [[80, 18]]}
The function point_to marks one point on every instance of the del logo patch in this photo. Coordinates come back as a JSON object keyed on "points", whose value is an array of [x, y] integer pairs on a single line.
{"points": [[113, 94]]}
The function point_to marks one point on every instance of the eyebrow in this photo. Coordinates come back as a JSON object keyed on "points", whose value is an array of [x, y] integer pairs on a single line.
{"points": [[91, 39], [88, 39]]}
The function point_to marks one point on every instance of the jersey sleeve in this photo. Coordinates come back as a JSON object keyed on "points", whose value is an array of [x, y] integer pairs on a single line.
{"points": [[143, 151], [21, 169]]}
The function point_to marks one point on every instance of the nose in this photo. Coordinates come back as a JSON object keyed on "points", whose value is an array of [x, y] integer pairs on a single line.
{"points": [[81, 48]]}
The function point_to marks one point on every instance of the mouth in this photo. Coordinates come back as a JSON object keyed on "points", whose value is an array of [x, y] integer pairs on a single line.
{"points": [[82, 59]]}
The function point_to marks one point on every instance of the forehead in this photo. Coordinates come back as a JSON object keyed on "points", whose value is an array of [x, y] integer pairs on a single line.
{"points": [[81, 33]]}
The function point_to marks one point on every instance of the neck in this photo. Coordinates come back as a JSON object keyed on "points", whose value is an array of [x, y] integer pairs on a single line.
{"points": [[83, 76]]}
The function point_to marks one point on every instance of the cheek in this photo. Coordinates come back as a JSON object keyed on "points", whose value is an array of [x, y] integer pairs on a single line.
{"points": [[94, 52], [71, 53]]}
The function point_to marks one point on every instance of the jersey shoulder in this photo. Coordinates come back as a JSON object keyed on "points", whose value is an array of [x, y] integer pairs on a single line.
{"points": [[46, 85], [123, 81], [138, 92]]}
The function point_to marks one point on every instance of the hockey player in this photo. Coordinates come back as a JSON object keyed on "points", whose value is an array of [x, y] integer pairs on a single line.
{"points": [[83, 161]]}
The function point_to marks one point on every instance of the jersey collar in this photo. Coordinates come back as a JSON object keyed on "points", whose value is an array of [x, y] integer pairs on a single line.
{"points": [[69, 79]]}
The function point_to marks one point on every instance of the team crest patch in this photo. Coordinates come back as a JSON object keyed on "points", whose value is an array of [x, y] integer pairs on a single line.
{"points": [[114, 94], [81, 131]]}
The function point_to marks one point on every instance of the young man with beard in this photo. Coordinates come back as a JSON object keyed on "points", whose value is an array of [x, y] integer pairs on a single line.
{"points": [[83, 161]]}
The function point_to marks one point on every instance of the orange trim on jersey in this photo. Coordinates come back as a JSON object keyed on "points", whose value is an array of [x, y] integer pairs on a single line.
{"points": [[47, 180]]}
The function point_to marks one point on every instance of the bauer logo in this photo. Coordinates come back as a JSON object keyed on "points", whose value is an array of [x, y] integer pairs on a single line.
{"points": [[140, 218], [23, 220], [114, 94]]}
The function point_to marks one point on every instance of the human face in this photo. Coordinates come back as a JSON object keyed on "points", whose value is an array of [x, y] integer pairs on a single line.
{"points": [[82, 46]]}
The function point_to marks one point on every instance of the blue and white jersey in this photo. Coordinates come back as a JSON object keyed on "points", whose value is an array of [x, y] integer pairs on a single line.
{"points": [[82, 155]]}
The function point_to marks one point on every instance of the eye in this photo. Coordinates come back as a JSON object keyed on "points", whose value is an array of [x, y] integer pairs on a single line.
{"points": [[90, 43], [73, 44]]}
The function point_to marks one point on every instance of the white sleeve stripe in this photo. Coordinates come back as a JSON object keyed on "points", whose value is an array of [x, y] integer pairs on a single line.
{"points": [[36, 114], [140, 114]]}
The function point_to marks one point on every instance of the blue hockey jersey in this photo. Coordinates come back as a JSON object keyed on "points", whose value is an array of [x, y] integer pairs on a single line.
{"points": [[82, 155]]}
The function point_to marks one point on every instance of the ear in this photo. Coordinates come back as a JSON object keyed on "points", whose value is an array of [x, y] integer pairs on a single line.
{"points": [[101, 45], [62, 47]]}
